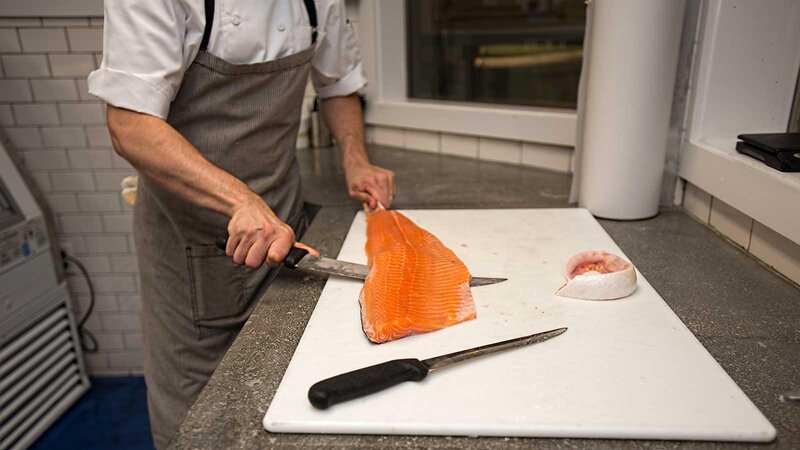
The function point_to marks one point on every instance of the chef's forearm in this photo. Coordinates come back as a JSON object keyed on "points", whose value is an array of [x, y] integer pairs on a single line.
{"points": [[345, 120], [159, 152]]}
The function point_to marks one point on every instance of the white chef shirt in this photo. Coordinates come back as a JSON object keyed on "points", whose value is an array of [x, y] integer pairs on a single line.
{"points": [[149, 44]]}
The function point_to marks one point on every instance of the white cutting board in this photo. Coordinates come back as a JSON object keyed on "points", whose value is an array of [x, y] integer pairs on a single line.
{"points": [[625, 369]]}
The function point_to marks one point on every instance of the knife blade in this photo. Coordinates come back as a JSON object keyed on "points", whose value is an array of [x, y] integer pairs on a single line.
{"points": [[299, 258], [368, 380]]}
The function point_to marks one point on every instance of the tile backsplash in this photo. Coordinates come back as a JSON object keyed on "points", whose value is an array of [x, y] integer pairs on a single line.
{"points": [[768, 246], [542, 156], [60, 132]]}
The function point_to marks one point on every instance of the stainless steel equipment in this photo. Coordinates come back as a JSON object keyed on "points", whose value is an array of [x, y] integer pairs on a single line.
{"points": [[42, 372]]}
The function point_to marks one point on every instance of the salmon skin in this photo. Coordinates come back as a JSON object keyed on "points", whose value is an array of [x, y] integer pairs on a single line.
{"points": [[415, 284]]}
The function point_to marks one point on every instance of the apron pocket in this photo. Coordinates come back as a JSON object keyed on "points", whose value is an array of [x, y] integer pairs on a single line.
{"points": [[218, 289]]}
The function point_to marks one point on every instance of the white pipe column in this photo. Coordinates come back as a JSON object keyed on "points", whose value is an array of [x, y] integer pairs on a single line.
{"points": [[631, 76]]}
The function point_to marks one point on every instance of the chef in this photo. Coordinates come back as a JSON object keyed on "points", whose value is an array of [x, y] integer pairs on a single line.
{"points": [[204, 101]]}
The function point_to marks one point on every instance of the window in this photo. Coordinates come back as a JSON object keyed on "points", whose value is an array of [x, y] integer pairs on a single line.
{"points": [[392, 102], [519, 52]]}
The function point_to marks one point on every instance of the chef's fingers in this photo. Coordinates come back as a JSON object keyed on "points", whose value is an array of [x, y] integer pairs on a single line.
{"points": [[281, 240], [257, 254], [380, 195], [243, 247], [386, 186], [392, 184], [364, 197], [278, 250], [232, 243], [310, 250]]}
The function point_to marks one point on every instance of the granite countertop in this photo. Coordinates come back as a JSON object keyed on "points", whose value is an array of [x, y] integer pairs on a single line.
{"points": [[743, 313]]}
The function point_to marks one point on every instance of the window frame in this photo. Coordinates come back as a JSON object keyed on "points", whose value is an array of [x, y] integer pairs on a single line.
{"points": [[726, 101], [383, 36]]}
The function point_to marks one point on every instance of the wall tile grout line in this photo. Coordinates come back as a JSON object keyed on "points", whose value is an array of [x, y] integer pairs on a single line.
{"points": [[710, 208]]}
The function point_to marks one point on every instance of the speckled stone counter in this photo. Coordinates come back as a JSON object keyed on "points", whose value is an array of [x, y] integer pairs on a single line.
{"points": [[745, 315]]}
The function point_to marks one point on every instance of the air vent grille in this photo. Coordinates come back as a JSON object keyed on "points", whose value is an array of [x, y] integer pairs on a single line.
{"points": [[40, 376]]}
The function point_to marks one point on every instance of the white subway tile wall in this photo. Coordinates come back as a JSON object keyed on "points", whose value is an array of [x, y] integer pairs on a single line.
{"points": [[54, 90], [90, 158], [6, 116], [64, 136], [549, 157], [731, 223], [499, 150], [426, 141], [46, 160], [459, 145], [71, 65], [82, 113], [697, 202], [62, 203], [773, 249], [60, 131], [15, 91], [25, 66], [85, 39], [9, 43], [35, 114], [83, 90], [541, 156], [776, 251], [392, 137], [27, 137], [43, 40]]}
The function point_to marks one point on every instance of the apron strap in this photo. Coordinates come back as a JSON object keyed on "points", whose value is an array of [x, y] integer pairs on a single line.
{"points": [[209, 23], [311, 9]]}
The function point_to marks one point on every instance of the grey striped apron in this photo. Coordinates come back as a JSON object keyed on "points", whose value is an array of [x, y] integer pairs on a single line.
{"points": [[195, 299]]}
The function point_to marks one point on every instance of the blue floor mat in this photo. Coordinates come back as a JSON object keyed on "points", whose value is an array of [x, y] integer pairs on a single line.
{"points": [[112, 415]]}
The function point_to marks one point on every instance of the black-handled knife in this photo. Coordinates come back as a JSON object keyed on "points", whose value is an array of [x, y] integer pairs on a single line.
{"points": [[299, 258], [369, 380]]}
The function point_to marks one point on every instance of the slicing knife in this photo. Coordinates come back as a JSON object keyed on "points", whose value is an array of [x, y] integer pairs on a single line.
{"points": [[299, 258], [369, 380]]}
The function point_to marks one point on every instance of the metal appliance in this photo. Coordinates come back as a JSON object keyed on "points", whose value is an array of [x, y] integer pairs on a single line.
{"points": [[42, 372]]}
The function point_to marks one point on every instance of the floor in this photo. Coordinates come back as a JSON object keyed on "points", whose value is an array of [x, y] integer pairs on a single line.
{"points": [[112, 415]]}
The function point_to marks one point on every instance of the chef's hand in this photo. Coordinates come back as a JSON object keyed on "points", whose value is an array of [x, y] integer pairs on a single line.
{"points": [[370, 184], [255, 233]]}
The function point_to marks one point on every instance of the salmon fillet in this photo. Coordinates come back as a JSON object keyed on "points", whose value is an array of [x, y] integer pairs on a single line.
{"points": [[415, 284]]}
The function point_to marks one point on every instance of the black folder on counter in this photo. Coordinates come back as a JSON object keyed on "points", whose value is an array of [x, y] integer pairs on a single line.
{"points": [[778, 150]]}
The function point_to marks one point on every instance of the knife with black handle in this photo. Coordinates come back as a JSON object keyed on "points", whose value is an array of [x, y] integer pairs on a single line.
{"points": [[299, 258], [368, 380], [362, 382], [290, 262]]}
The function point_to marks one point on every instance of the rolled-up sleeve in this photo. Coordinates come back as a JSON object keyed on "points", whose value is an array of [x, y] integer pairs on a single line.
{"points": [[336, 67], [143, 54]]}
